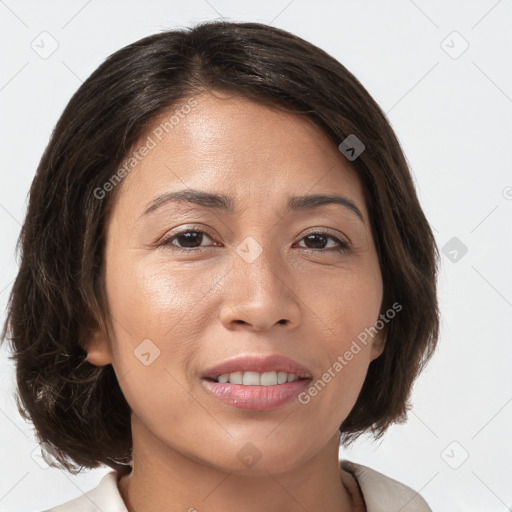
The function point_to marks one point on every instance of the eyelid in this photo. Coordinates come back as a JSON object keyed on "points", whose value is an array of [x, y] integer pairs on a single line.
{"points": [[328, 231], [185, 229]]}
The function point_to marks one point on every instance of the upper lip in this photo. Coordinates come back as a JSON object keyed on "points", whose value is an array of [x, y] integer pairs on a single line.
{"points": [[260, 364]]}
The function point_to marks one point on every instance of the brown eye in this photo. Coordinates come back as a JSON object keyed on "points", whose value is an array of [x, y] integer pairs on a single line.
{"points": [[187, 240], [319, 241]]}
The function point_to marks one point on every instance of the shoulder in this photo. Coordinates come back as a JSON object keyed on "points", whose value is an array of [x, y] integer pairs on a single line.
{"points": [[382, 493], [105, 497]]}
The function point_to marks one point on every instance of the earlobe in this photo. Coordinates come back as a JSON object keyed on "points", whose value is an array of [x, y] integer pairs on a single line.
{"points": [[378, 345], [98, 349], [377, 351]]}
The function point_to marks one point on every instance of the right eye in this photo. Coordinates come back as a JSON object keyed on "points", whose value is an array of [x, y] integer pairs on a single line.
{"points": [[188, 238]]}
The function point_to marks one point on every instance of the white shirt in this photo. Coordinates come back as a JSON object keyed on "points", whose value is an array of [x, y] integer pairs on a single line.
{"points": [[381, 494]]}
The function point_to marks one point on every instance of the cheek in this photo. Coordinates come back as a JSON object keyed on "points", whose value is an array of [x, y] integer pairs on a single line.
{"points": [[160, 315], [161, 301], [348, 304], [156, 393], [349, 309], [336, 389]]}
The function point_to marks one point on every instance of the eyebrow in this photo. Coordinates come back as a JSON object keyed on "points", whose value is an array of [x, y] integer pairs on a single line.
{"points": [[227, 204]]}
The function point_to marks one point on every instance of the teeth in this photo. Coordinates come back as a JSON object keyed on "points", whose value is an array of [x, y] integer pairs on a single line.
{"points": [[282, 377], [252, 379], [257, 379]]}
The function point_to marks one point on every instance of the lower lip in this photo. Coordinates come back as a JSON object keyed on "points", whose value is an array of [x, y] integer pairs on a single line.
{"points": [[257, 398]]}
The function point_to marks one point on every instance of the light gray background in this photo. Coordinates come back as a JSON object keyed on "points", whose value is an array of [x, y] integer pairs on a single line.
{"points": [[453, 116]]}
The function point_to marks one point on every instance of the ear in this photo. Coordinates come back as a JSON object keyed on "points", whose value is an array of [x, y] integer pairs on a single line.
{"points": [[379, 343], [99, 352]]}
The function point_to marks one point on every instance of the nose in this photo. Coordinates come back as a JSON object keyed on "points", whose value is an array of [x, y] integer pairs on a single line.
{"points": [[259, 295]]}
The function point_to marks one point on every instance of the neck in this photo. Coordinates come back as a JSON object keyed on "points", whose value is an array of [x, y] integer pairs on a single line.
{"points": [[165, 479]]}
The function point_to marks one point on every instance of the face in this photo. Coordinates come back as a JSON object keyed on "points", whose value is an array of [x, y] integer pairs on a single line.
{"points": [[194, 284]]}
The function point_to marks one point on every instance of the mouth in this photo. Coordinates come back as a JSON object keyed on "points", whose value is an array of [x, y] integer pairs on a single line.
{"points": [[257, 383]]}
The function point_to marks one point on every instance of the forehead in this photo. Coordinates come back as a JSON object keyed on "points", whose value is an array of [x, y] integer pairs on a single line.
{"points": [[229, 143]]}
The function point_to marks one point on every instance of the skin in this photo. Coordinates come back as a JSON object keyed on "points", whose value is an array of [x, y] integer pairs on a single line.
{"points": [[200, 309]]}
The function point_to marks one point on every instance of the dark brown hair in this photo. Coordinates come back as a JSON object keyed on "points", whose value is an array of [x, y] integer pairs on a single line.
{"points": [[80, 414]]}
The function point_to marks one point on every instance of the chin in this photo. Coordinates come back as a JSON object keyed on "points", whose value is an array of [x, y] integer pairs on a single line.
{"points": [[261, 458]]}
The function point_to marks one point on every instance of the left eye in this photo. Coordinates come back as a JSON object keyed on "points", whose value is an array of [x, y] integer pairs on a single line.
{"points": [[189, 238], [321, 238], [188, 241]]}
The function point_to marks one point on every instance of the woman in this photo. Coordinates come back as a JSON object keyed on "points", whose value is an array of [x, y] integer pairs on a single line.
{"points": [[224, 265]]}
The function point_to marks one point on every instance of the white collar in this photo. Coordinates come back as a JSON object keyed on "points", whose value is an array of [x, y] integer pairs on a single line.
{"points": [[381, 493]]}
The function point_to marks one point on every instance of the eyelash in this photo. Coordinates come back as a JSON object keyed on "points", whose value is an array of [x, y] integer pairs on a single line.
{"points": [[343, 247]]}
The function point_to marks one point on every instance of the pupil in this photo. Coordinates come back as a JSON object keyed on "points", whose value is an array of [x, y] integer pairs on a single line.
{"points": [[190, 238], [317, 237]]}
